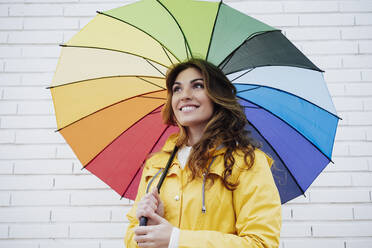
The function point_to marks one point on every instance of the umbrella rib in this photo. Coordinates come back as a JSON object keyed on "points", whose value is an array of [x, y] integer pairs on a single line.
{"points": [[268, 143], [289, 126], [243, 74], [152, 148], [86, 80], [249, 89], [85, 166], [167, 55], [289, 93], [150, 97], [236, 49], [58, 130], [113, 50], [140, 30], [155, 67], [179, 26], [214, 26], [147, 81]]}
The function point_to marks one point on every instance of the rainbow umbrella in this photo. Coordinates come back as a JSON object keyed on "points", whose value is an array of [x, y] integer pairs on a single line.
{"points": [[109, 88]]}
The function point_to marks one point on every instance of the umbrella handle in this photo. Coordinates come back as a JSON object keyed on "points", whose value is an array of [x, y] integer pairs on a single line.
{"points": [[143, 219]]}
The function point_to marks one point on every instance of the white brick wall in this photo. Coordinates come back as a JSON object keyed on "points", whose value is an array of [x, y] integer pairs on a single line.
{"points": [[47, 201]]}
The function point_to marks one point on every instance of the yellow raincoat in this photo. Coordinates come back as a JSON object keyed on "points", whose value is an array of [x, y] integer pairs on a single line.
{"points": [[249, 216]]}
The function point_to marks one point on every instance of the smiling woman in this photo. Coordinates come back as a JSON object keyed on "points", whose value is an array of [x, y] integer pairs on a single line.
{"points": [[219, 191]]}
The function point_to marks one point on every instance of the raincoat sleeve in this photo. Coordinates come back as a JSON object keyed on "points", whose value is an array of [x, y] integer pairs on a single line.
{"points": [[133, 221], [257, 209]]}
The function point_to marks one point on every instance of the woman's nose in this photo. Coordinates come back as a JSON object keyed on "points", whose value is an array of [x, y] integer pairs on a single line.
{"points": [[186, 93]]}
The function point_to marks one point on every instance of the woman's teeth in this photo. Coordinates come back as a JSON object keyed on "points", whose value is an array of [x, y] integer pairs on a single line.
{"points": [[188, 108]]}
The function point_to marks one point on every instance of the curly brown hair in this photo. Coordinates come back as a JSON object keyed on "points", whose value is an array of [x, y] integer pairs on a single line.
{"points": [[226, 127]]}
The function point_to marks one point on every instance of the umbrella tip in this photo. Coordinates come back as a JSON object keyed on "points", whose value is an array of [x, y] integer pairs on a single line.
{"points": [[62, 45], [99, 12]]}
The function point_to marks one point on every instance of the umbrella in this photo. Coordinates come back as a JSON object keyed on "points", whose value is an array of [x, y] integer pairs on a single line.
{"points": [[109, 88]]}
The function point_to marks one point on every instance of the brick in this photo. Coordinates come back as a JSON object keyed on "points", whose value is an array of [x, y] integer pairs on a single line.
{"points": [[278, 20], [322, 212], [70, 243], [366, 243], [6, 167], [10, 79], [357, 61], [311, 243], [8, 108], [363, 19], [7, 136], [366, 75], [257, 7], [362, 179], [35, 108], [79, 182], [4, 10], [3, 231], [86, 9], [313, 6], [12, 182], [28, 122], [358, 6], [21, 214], [299, 199], [329, 47], [41, 51], [369, 134], [4, 198], [350, 133], [326, 62], [348, 104], [112, 243], [48, 23], [358, 89], [340, 149], [26, 151], [336, 89], [365, 46], [348, 164], [363, 212], [37, 79], [3, 37], [119, 214], [23, 93], [355, 229], [356, 33], [45, 136], [38, 231], [67, 35], [303, 34], [339, 196], [326, 20], [286, 213], [295, 230], [80, 214], [40, 198], [360, 118], [7, 23], [79, 170], [97, 230], [10, 52], [31, 65], [18, 243], [95, 197], [332, 179], [35, 37], [64, 151], [343, 75], [84, 21], [35, 10], [48, 1], [43, 167]]}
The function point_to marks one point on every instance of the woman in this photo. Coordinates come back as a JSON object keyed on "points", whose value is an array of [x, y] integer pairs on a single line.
{"points": [[219, 191]]}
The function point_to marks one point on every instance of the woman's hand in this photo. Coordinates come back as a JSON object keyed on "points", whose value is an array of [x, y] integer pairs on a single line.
{"points": [[150, 204], [156, 235]]}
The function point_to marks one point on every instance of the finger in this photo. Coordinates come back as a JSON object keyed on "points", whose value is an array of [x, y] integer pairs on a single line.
{"points": [[156, 218], [141, 230]]}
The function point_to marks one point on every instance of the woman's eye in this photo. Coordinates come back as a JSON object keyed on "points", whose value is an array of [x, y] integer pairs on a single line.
{"points": [[176, 88], [199, 86]]}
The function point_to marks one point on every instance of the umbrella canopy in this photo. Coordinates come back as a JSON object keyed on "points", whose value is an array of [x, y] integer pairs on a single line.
{"points": [[109, 88]]}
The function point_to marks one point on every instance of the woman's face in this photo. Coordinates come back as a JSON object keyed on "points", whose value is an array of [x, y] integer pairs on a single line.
{"points": [[190, 103]]}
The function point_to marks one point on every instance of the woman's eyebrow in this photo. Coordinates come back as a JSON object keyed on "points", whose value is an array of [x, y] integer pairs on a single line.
{"points": [[193, 80]]}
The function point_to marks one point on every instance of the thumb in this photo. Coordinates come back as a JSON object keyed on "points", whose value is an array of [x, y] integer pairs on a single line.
{"points": [[157, 218]]}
